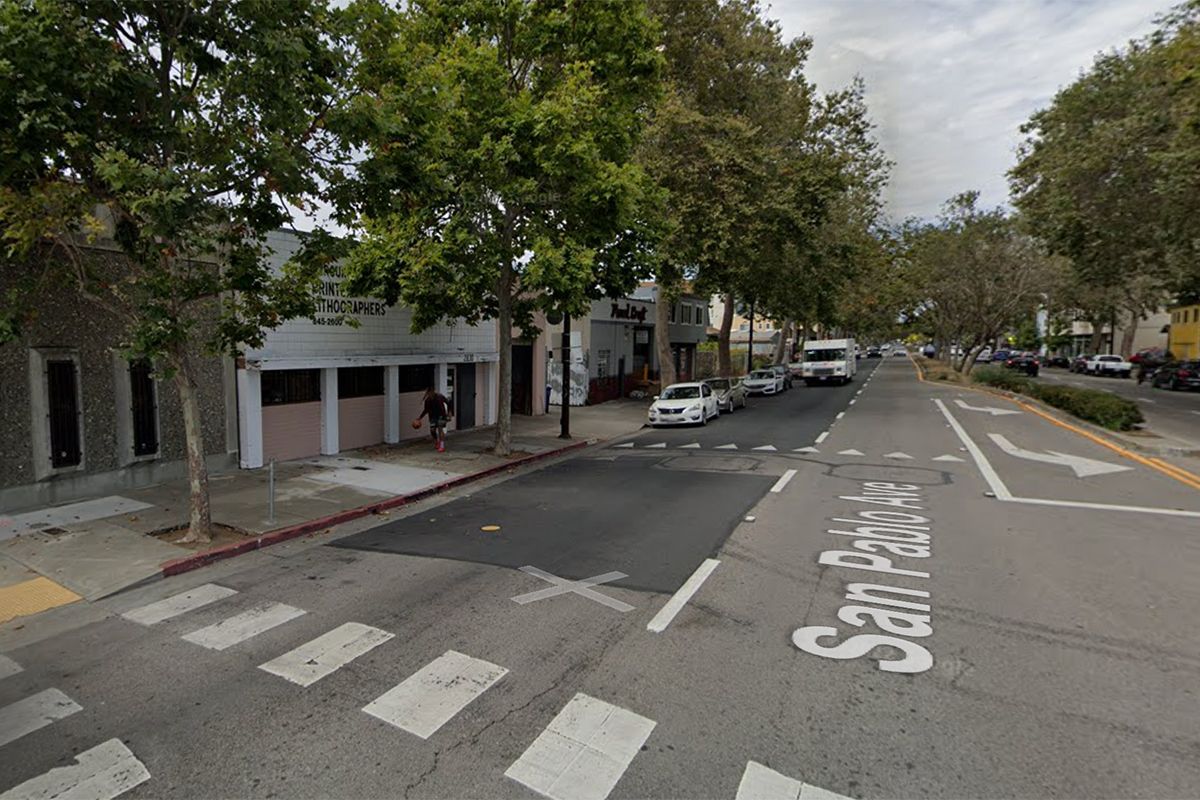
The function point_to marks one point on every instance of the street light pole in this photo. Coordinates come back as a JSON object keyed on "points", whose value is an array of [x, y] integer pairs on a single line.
{"points": [[750, 352], [565, 418]]}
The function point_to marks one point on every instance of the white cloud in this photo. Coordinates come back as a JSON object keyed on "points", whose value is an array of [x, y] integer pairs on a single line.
{"points": [[949, 82]]}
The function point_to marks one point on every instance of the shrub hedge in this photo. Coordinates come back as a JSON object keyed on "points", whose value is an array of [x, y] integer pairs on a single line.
{"points": [[1103, 408]]}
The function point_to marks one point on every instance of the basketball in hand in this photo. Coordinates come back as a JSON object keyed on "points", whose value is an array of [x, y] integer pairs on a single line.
{"points": [[416, 423]]}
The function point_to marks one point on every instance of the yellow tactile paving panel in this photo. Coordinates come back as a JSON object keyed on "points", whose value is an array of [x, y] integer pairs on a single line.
{"points": [[30, 597]]}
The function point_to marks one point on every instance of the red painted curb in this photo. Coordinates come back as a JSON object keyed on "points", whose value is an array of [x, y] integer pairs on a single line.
{"points": [[188, 563]]}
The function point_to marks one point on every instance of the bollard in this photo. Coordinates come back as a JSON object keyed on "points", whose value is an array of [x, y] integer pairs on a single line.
{"points": [[271, 492]]}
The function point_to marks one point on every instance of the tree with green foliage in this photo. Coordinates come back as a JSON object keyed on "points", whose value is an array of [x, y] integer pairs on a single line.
{"points": [[182, 131], [497, 174]]}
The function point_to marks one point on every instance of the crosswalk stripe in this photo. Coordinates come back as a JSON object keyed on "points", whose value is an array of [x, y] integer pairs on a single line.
{"points": [[898, 455], [692, 446], [239, 628], [947, 457], [583, 752], [764, 783], [767, 447], [658, 446], [624, 444], [430, 697], [326, 654], [33, 713], [8, 667], [806, 450], [726, 447], [106, 771], [178, 604], [849, 452]]}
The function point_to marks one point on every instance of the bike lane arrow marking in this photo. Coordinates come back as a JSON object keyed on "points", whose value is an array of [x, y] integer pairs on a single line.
{"points": [[1083, 467], [995, 412]]}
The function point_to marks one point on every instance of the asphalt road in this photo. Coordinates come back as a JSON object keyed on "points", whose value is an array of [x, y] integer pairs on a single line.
{"points": [[1174, 414], [1031, 594]]}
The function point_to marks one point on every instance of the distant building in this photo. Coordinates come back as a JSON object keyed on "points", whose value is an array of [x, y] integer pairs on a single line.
{"points": [[688, 327], [1184, 336]]}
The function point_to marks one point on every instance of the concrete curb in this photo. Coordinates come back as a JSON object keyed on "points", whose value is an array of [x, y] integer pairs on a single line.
{"points": [[193, 561]]}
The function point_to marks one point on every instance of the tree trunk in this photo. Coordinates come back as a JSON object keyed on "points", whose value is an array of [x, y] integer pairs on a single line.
{"points": [[1127, 335], [1097, 337], [200, 521], [662, 339], [781, 354], [724, 359], [503, 445]]}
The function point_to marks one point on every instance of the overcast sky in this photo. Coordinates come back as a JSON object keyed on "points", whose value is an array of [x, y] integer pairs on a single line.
{"points": [[949, 82]]}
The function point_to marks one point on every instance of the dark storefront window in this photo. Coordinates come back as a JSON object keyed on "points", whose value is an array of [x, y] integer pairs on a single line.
{"points": [[61, 380], [360, 381], [416, 377], [284, 386]]}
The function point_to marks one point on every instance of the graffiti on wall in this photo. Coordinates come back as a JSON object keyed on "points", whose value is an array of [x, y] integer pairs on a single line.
{"points": [[579, 383]]}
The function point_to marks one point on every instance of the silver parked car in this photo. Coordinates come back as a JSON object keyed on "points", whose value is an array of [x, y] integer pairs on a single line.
{"points": [[730, 393]]}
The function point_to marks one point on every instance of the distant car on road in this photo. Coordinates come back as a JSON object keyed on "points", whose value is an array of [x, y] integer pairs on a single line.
{"points": [[984, 356], [1109, 365], [763, 381], [899, 351], [785, 373], [1023, 362], [730, 393], [1058, 361], [1001, 356], [684, 404], [1177, 375], [874, 352], [1079, 363]]}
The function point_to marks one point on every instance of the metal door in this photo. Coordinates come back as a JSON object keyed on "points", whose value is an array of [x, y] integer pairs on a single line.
{"points": [[464, 396]]}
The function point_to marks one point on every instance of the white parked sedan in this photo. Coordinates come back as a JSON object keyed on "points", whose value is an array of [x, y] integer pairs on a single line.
{"points": [[763, 381], [684, 404]]}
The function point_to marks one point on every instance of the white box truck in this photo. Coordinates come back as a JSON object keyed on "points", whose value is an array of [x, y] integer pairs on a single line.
{"points": [[828, 360]]}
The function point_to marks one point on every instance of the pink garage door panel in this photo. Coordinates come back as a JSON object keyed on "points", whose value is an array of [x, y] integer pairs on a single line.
{"points": [[412, 404], [360, 421], [291, 431]]}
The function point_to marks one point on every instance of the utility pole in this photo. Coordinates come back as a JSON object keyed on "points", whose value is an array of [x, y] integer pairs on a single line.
{"points": [[750, 350], [565, 418]]}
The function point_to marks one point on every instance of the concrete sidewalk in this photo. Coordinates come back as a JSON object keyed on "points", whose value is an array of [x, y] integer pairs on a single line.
{"points": [[95, 548]]}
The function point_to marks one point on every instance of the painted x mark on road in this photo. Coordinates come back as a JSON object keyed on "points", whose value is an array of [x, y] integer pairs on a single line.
{"points": [[564, 586]]}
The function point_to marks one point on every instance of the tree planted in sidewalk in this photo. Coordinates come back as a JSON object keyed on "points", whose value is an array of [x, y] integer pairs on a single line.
{"points": [[497, 175], [176, 134]]}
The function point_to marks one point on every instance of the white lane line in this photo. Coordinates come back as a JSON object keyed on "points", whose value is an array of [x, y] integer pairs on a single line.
{"points": [[898, 455], [239, 628], [769, 448], [659, 446], [583, 752], [623, 444], [993, 480], [1168, 512], [33, 713], [326, 654], [850, 452], [178, 604], [783, 481], [764, 783], [692, 446], [947, 457], [8, 667], [840, 414], [806, 450], [853, 401], [682, 595], [430, 697], [726, 447], [822, 437], [106, 771]]}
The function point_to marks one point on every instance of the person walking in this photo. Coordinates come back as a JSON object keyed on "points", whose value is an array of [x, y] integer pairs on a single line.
{"points": [[437, 408]]}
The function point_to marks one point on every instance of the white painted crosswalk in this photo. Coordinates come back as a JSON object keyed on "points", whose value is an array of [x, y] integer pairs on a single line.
{"points": [[583, 752], [178, 604], [239, 628], [428, 699], [34, 713], [106, 771], [763, 783], [8, 667], [326, 654]]}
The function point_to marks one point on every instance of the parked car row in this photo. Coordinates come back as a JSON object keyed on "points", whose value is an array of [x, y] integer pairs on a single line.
{"points": [[696, 402]]}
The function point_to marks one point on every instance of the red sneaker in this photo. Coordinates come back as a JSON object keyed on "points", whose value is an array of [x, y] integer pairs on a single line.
{"points": [[441, 447]]}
